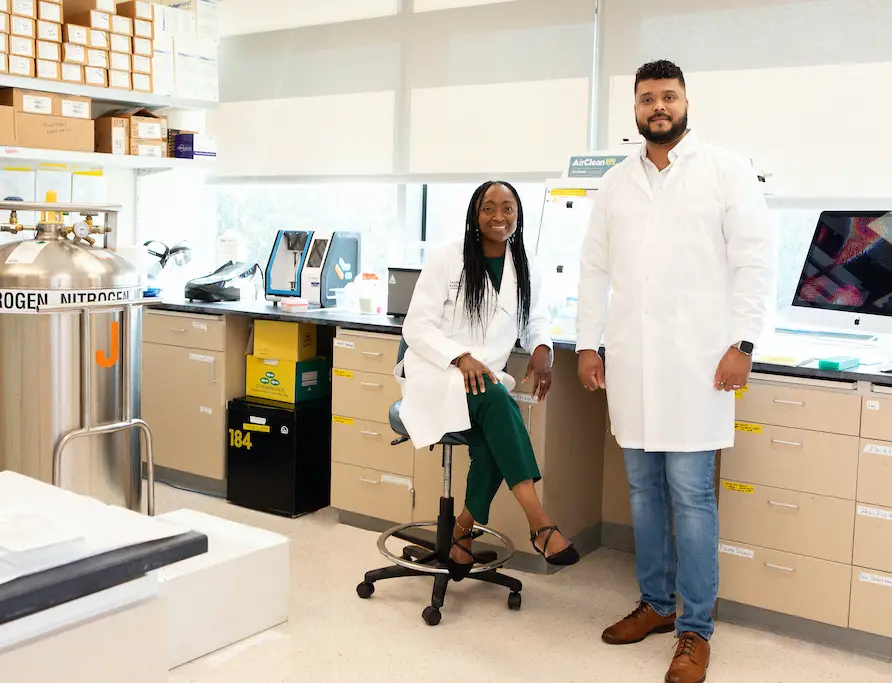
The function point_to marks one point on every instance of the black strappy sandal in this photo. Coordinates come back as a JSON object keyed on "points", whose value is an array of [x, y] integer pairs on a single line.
{"points": [[565, 558], [460, 570]]}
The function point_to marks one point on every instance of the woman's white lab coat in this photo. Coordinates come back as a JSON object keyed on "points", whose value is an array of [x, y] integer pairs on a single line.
{"points": [[437, 331], [689, 270]]}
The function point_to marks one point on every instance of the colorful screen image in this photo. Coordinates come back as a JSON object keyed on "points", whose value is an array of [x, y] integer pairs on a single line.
{"points": [[849, 264]]}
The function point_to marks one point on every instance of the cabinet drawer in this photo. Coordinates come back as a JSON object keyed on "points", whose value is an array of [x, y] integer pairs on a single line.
{"points": [[873, 538], [365, 353], [875, 473], [871, 602], [801, 523], [371, 493], [796, 459], [189, 331], [367, 444], [876, 418], [816, 409], [363, 395], [782, 582]]}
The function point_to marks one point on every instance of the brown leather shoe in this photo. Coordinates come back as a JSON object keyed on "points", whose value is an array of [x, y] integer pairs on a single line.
{"points": [[691, 660], [638, 625]]}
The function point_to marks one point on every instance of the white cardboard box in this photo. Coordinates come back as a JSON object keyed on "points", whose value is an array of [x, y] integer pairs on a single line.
{"points": [[206, 16], [239, 588], [197, 69]]}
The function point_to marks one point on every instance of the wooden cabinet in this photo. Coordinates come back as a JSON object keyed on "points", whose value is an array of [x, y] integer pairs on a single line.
{"points": [[192, 366]]}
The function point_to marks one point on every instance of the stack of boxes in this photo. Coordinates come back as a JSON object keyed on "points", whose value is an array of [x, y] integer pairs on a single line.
{"points": [[45, 120], [138, 132], [284, 366]]}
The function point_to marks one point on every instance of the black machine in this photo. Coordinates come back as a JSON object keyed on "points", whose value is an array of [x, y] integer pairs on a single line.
{"points": [[279, 455], [223, 284]]}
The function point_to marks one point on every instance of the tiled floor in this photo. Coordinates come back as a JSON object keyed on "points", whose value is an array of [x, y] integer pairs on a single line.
{"points": [[333, 636]]}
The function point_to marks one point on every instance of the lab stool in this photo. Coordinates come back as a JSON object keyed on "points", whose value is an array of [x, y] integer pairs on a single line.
{"points": [[424, 558]]}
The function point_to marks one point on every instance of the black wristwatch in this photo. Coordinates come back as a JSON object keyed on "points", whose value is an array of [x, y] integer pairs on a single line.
{"points": [[745, 347]]}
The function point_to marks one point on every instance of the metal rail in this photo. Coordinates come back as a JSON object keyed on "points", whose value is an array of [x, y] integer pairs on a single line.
{"points": [[127, 422]]}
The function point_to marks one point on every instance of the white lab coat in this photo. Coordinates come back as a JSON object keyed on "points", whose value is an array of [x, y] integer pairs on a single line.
{"points": [[689, 271], [437, 331]]}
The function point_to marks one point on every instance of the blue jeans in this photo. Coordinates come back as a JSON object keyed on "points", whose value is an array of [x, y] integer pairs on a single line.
{"points": [[663, 485]]}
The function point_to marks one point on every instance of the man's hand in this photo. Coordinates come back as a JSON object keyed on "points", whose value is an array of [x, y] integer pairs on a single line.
{"points": [[591, 370], [474, 373], [733, 371], [540, 370]]}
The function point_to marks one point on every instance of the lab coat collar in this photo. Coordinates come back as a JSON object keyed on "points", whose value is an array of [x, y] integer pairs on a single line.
{"points": [[688, 146]]}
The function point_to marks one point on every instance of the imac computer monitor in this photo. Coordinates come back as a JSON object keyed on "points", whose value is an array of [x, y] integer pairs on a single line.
{"points": [[846, 280]]}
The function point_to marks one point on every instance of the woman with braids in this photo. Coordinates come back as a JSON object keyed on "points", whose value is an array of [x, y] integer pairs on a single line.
{"points": [[473, 301]]}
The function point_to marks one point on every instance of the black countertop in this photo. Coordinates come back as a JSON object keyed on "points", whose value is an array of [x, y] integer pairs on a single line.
{"points": [[34, 593], [383, 324]]}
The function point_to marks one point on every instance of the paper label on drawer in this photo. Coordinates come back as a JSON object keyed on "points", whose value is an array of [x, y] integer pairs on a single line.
{"points": [[874, 449], [876, 513], [248, 427], [257, 420], [735, 550], [748, 427], [341, 344], [873, 405], [337, 419], [398, 481], [200, 326], [205, 410], [201, 359], [346, 374], [520, 397], [875, 579], [737, 486]]}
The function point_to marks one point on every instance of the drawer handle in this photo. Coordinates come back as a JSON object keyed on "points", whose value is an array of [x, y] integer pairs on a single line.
{"points": [[783, 505], [178, 329], [367, 433], [789, 403], [370, 481], [371, 385], [781, 442], [373, 354], [779, 567]]}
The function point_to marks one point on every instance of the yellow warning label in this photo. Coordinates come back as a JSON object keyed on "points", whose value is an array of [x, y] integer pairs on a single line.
{"points": [[255, 428], [568, 192], [337, 419], [737, 486], [748, 427], [740, 392], [347, 374]]}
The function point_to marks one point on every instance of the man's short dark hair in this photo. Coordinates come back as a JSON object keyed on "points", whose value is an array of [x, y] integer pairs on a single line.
{"points": [[658, 71]]}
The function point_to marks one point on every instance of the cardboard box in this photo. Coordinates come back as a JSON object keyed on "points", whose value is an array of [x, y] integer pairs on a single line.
{"points": [[118, 61], [172, 140], [96, 76], [137, 9], [197, 69], [78, 35], [22, 47], [84, 6], [171, 22], [5, 6], [22, 26], [4, 63], [49, 70], [99, 39], [119, 79], [122, 25], [4, 22], [284, 341], [122, 44], [144, 125], [163, 69], [50, 11], [143, 83], [143, 46], [142, 65], [97, 58], [37, 102], [49, 30], [24, 8], [7, 125], [53, 132], [112, 135], [205, 16], [286, 380], [148, 148], [22, 66], [72, 73], [193, 145], [92, 19], [143, 29], [4, 43], [74, 54], [48, 50]]}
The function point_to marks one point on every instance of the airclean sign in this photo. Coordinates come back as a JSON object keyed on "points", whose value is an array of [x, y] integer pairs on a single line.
{"points": [[592, 166], [31, 301]]}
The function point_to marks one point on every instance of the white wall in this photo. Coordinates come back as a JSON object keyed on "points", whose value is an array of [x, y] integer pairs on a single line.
{"points": [[238, 17]]}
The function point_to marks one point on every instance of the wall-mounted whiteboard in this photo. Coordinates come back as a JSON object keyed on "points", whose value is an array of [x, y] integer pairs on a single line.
{"points": [[819, 130]]}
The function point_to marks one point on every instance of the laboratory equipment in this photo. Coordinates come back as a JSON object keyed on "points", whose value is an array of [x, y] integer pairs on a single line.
{"points": [[285, 264], [846, 279], [400, 287], [230, 282], [70, 325]]}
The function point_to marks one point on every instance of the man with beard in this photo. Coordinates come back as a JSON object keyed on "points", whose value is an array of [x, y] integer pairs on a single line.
{"points": [[680, 237]]}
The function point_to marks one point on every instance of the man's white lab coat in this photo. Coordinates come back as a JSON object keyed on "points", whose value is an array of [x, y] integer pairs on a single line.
{"points": [[688, 268]]}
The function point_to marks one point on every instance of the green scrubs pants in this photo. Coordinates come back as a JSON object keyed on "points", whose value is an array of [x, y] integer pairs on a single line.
{"points": [[500, 449]]}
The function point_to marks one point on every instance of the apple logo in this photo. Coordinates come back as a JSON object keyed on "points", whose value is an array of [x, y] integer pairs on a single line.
{"points": [[857, 321]]}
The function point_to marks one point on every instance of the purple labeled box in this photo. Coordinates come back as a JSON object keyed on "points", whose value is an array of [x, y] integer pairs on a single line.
{"points": [[195, 146]]}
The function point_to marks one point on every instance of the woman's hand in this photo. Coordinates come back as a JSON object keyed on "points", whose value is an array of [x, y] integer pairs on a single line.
{"points": [[540, 369], [475, 373]]}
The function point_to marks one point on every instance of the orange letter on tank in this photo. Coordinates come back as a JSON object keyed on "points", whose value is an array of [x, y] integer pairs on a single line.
{"points": [[104, 361]]}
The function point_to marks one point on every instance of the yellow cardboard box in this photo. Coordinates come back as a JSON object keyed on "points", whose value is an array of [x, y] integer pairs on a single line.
{"points": [[284, 341], [287, 381]]}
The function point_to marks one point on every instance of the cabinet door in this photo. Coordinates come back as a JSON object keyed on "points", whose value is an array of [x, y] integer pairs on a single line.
{"points": [[184, 405]]}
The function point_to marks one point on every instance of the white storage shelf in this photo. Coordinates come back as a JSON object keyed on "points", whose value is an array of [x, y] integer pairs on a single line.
{"points": [[21, 157]]}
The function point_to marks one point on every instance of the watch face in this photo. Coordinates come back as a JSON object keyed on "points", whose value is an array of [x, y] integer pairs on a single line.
{"points": [[746, 347]]}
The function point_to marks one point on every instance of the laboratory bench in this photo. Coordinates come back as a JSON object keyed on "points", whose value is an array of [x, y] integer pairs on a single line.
{"points": [[805, 495]]}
